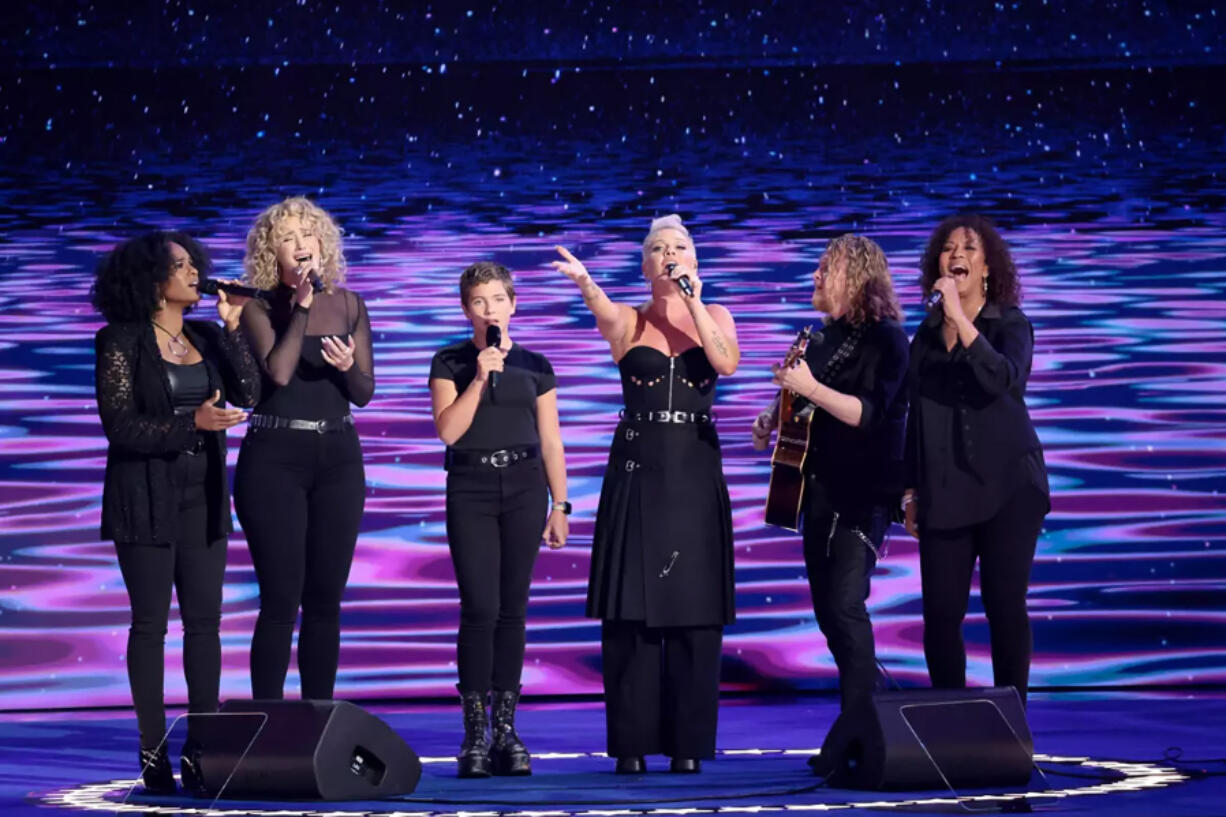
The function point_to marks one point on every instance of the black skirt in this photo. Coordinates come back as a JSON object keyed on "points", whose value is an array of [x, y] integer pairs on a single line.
{"points": [[662, 548]]}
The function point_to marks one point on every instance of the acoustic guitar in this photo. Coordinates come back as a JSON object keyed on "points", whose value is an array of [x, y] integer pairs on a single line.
{"points": [[787, 485]]}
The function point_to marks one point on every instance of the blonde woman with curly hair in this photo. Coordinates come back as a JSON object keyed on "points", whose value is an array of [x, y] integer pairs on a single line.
{"points": [[300, 486], [662, 575], [850, 384]]}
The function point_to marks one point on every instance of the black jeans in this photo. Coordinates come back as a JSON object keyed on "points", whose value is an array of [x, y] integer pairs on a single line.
{"points": [[661, 687], [194, 568], [1004, 547], [839, 558], [495, 518], [299, 497]]}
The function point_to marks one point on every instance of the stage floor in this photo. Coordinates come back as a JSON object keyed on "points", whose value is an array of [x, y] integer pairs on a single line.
{"points": [[1129, 754]]}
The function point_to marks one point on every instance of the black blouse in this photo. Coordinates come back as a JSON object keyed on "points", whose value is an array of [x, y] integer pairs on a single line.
{"points": [[860, 467], [506, 415], [970, 442]]}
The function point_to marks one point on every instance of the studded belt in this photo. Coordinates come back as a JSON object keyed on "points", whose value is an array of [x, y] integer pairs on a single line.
{"points": [[318, 426], [501, 458], [666, 416]]}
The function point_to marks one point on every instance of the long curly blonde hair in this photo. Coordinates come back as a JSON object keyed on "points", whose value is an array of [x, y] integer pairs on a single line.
{"points": [[260, 262], [869, 286]]}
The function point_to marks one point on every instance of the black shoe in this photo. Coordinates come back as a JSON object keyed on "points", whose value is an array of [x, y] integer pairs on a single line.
{"points": [[190, 776], [685, 765], [474, 757], [508, 755], [155, 771], [631, 765]]}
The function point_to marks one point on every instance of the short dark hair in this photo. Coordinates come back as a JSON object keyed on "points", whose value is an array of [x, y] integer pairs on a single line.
{"points": [[126, 281], [1004, 288], [483, 272]]}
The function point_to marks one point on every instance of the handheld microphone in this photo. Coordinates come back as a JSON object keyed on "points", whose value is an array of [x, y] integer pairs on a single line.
{"points": [[683, 281], [208, 286], [493, 337], [932, 305], [317, 285]]}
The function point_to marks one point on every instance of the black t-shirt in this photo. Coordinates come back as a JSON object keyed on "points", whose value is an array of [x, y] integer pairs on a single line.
{"points": [[506, 416]]}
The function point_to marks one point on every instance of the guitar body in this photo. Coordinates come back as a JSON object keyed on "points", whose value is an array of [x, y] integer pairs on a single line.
{"points": [[787, 485]]}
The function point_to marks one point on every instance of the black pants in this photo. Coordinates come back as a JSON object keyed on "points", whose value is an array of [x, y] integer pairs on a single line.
{"points": [[661, 688], [1004, 546], [194, 567], [299, 497], [495, 518], [839, 562]]}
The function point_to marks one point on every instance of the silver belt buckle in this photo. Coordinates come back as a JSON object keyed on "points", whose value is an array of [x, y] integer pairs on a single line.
{"points": [[678, 416], [500, 459]]}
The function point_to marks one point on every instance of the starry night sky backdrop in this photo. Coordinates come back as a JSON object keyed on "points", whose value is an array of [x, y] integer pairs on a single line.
{"points": [[1092, 131]]}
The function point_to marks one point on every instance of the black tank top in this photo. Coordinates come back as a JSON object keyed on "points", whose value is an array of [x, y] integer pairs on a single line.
{"points": [[189, 385]]}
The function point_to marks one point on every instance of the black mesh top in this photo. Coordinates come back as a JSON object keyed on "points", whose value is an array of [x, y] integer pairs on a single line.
{"points": [[287, 342]]}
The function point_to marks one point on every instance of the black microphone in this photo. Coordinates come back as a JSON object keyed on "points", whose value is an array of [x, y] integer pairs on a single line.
{"points": [[210, 287], [683, 281], [316, 284], [932, 305], [493, 337]]}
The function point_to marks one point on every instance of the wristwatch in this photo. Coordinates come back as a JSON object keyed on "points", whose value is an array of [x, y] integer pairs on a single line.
{"points": [[562, 506]]}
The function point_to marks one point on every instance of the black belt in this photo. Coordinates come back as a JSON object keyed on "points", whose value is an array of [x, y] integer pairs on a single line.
{"points": [[501, 458], [318, 426], [666, 416]]}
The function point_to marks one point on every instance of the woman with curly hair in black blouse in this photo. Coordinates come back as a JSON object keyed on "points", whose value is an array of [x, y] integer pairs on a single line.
{"points": [[976, 483], [162, 384]]}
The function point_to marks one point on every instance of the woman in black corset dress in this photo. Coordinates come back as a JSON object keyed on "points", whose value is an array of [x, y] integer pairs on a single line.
{"points": [[976, 484], [496, 407], [162, 383], [300, 487], [661, 578]]}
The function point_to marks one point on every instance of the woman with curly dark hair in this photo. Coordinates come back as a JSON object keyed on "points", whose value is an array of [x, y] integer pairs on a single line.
{"points": [[161, 384], [976, 482]]}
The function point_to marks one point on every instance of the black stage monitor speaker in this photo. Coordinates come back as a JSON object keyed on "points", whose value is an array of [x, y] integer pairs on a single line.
{"points": [[927, 738], [312, 750]]}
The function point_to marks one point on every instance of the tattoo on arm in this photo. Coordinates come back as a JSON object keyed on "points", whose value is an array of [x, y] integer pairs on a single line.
{"points": [[717, 340]]}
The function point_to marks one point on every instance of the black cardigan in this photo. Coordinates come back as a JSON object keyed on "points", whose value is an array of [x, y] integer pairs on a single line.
{"points": [[146, 437]]}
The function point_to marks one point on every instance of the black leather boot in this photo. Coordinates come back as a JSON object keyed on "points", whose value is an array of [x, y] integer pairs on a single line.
{"points": [[155, 771], [474, 757], [190, 776], [508, 755]]}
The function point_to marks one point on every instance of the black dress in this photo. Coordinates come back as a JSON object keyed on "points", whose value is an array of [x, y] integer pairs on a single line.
{"points": [[662, 548], [662, 576]]}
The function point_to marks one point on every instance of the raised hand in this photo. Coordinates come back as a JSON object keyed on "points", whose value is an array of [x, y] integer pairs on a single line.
{"points": [[210, 417], [304, 291], [681, 269], [572, 267], [490, 359], [230, 307]]}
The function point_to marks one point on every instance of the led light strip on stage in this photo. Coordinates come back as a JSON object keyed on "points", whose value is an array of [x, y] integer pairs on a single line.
{"points": [[1136, 776]]}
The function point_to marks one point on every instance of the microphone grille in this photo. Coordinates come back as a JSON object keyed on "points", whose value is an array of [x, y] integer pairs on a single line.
{"points": [[207, 285]]}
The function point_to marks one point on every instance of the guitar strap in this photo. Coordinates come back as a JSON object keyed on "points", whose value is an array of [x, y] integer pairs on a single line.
{"points": [[836, 363]]}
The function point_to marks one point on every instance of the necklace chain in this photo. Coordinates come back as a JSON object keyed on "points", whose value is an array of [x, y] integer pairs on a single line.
{"points": [[176, 345]]}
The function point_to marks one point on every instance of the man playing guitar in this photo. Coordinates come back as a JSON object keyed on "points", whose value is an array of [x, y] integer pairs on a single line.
{"points": [[853, 380]]}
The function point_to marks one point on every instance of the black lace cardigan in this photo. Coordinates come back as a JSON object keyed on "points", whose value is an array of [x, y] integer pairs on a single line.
{"points": [[146, 437]]}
